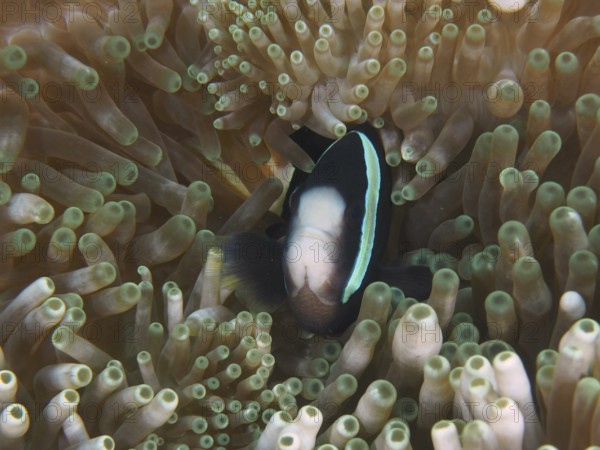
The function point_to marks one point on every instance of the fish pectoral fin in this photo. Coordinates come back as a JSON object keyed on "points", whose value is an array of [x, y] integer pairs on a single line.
{"points": [[277, 231], [252, 268], [415, 281]]}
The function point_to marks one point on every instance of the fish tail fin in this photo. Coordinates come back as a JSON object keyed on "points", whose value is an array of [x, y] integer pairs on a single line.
{"points": [[415, 281]]}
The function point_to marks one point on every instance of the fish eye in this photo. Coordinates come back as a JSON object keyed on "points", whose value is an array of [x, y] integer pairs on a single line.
{"points": [[354, 213]]}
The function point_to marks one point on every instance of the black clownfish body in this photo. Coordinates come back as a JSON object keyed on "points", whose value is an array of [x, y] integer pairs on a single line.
{"points": [[338, 230], [339, 217]]}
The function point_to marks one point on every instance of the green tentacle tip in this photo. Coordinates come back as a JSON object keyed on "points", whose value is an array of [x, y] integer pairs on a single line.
{"points": [[409, 193], [171, 82], [339, 130], [87, 78], [397, 66], [465, 223], [450, 31], [550, 194], [465, 332], [378, 290], [19, 242], [127, 173], [476, 32], [126, 133], [112, 212], [492, 348], [369, 330], [5, 191], [183, 224], [13, 57], [567, 63], [30, 183], [446, 279], [539, 59], [129, 293], [397, 198], [562, 217], [392, 158], [64, 237], [588, 104], [28, 88], [582, 198], [429, 104], [72, 217], [499, 302], [550, 141], [105, 183], [540, 108], [153, 40], [512, 231], [104, 272], [139, 44], [506, 134], [118, 47], [584, 263], [91, 201], [426, 168], [61, 336], [44, 213]]}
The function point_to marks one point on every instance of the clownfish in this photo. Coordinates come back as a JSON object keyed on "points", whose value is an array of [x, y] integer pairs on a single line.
{"points": [[339, 219]]}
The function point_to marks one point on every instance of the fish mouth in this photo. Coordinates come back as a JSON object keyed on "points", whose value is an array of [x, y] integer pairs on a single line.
{"points": [[324, 293]]}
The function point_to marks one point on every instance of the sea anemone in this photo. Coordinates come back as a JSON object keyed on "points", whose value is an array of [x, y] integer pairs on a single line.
{"points": [[136, 136]]}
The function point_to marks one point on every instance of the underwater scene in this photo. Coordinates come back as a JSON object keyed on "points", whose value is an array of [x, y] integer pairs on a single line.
{"points": [[299, 224]]}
